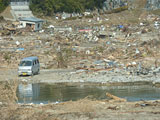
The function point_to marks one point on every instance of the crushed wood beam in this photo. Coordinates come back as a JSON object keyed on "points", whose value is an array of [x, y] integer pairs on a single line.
{"points": [[115, 98]]}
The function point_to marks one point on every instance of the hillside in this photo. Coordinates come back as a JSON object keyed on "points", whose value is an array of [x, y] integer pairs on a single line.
{"points": [[49, 7], [6, 13]]}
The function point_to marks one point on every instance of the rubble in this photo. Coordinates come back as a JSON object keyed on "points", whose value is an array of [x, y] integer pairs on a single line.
{"points": [[152, 4], [87, 46]]}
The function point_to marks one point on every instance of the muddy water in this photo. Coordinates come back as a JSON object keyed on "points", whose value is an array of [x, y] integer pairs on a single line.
{"points": [[46, 93]]}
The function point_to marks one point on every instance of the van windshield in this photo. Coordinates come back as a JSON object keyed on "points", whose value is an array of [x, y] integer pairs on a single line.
{"points": [[25, 63]]}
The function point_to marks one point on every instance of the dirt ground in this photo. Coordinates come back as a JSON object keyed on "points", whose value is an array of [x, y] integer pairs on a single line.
{"points": [[85, 109]]}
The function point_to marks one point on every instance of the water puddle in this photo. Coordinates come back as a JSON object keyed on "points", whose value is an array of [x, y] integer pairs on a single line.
{"points": [[51, 93]]}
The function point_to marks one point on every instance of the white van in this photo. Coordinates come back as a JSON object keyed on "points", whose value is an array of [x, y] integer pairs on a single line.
{"points": [[29, 66]]}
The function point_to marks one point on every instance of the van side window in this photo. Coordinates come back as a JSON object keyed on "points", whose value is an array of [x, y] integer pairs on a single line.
{"points": [[35, 62]]}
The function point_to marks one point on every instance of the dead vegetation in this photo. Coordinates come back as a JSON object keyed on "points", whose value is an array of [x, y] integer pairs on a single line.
{"points": [[8, 92]]}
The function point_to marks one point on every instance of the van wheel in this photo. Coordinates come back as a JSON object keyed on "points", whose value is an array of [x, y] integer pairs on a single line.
{"points": [[32, 74], [38, 72]]}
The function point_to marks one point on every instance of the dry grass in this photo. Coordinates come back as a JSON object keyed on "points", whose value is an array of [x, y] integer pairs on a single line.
{"points": [[8, 91], [82, 106], [156, 12], [8, 99]]}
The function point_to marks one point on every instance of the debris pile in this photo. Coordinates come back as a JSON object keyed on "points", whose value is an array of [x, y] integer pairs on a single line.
{"points": [[86, 44]]}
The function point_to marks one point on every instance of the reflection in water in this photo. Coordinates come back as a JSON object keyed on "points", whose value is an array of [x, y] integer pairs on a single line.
{"points": [[28, 92], [44, 93]]}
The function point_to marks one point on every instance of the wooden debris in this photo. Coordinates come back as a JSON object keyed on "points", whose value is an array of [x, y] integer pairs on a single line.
{"points": [[113, 107], [115, 97]]}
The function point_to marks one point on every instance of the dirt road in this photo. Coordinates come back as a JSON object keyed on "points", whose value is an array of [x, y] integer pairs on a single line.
{"points": [[80, 76]]}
